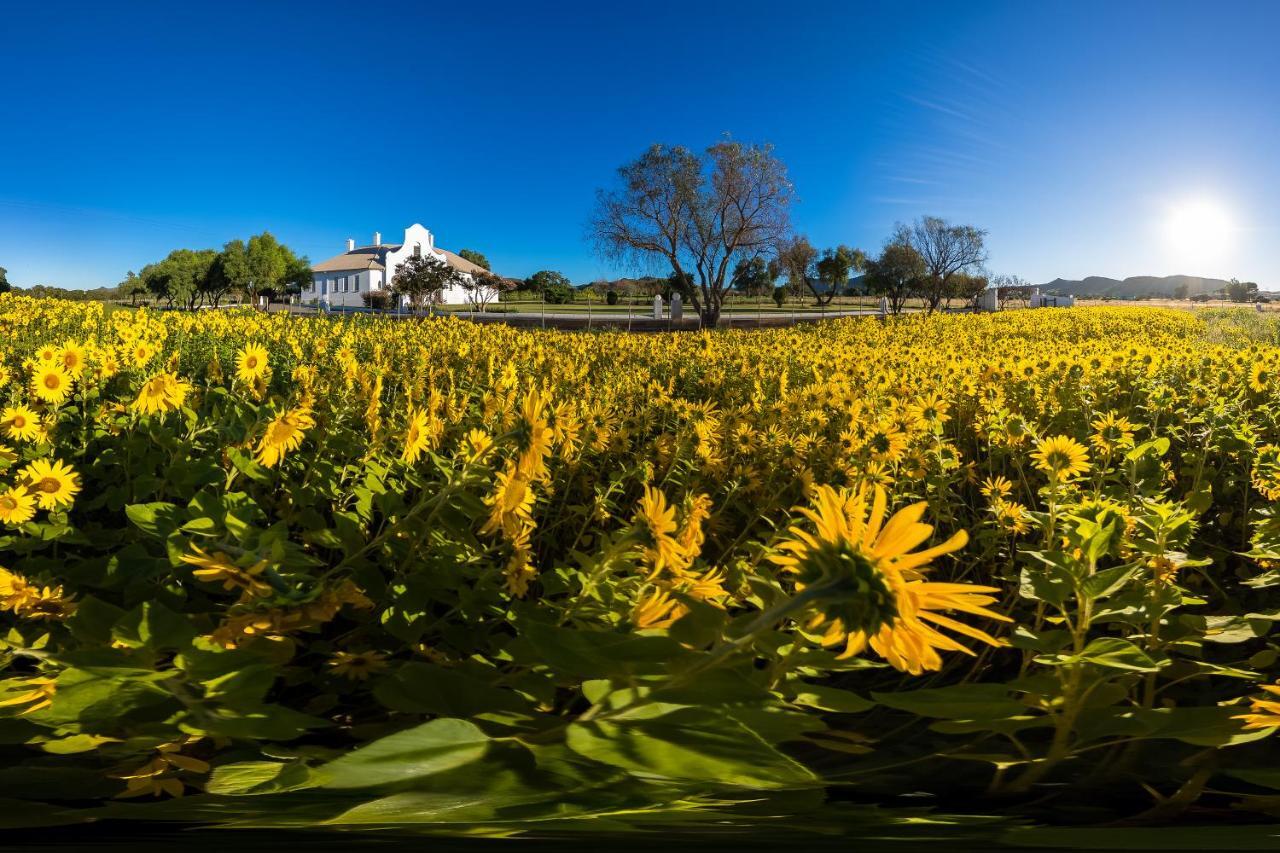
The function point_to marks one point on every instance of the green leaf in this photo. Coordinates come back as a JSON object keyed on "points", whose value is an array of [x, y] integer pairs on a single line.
{"points": [[245, 464], [690, 744], [157, 519], [422, 688], [252, 778], [826, 698], [76, 744], [1051, 582], [412, 754], [253, 722], [153, 626], [1202, 726], [1110, 652], [960, 702], [92, 622], [1109, 581], [596, 654]]}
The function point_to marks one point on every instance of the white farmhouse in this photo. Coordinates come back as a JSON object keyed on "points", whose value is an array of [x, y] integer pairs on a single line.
{"points": [[344, 279]]}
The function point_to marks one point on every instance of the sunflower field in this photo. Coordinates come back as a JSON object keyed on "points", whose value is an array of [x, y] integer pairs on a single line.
{"points": [[278, 571]]}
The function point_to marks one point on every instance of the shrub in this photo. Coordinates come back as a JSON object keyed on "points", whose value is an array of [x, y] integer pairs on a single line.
{"points": [[611, 297], [559, 294]]}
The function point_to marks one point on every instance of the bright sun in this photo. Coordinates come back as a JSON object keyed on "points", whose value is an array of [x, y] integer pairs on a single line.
{"points": [[1199, 232]]}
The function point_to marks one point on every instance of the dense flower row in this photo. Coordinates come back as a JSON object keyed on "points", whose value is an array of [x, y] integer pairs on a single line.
{"points": [[239, 530]]}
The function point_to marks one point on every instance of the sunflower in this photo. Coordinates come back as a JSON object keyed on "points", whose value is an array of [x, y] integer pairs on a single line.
{"points": [[21, 423], [874, 591], [54, 484], [510, 504], [251, 363], [72, 357], [1112, 432], [283, 435], [51, 383], [141, 353], [996, 488], [657, 521], [1061, 457], [161, 393], [1264, 712], [36, 693], [1260, 377], [219, 568], [357, 666], [17, 506], [417, 438]]}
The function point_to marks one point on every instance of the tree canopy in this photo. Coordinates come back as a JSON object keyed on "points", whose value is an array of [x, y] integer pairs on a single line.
{"points": [[422, 278], [475, 257], [697, 213], [946, 250]]}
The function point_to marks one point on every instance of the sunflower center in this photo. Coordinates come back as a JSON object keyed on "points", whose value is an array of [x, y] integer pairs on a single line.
{"points": [[49, 485], [52, 381]]}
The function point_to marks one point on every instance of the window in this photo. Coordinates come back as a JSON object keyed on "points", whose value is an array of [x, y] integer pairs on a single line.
{"points": [[417, 250], [344, 284], [357, 284]]}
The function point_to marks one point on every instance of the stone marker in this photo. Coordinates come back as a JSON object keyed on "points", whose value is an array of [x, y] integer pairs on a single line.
{"points": [[677, 309], [657, 306]]}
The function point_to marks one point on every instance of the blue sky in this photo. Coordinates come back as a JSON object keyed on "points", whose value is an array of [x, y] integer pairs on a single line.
{"points": [[1072, 131]]}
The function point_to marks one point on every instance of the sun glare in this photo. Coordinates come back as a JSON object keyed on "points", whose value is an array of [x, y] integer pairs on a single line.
{"points": [[1199, 232]]}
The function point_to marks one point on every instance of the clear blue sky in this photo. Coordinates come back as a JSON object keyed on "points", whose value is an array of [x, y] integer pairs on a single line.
{"points": [[1072, 131]]}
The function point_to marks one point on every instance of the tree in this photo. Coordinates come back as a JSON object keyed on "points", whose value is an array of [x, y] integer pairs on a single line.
{"points": [[543, 280], [475, 258], [1011, 288], [946, 250], [179, 278], [267, 265], [233, 267], [698, 214], [968, 288], [422, 278], [897, 274], [132, 286], [1181, 290], [1241, 291], [752, 277], [833, 271], [796, 258], [5, 287], [482, 287]]}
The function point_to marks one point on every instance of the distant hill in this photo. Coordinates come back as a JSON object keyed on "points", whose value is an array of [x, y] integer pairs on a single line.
{"points": [[1133, 287]]}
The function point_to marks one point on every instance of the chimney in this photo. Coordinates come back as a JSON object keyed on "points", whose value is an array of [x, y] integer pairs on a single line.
{"points": [[351, 245], [377, 238]]}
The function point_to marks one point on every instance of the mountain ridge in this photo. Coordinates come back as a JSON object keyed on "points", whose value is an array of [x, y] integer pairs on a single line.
{"points": [[1134, 286]]}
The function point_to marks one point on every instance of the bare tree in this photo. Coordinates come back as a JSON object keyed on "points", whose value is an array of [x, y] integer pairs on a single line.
{"points": [[699, 214], [1011, 288], [482, 287], [796, 258], [946, 250], [897, 274]]}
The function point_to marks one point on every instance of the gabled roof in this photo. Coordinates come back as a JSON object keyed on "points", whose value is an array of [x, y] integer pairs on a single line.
{"points": [[375, 258], [363, 258]]}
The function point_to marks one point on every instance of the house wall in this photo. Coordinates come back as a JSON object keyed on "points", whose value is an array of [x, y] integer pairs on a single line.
{"points": [[326, 286]]}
